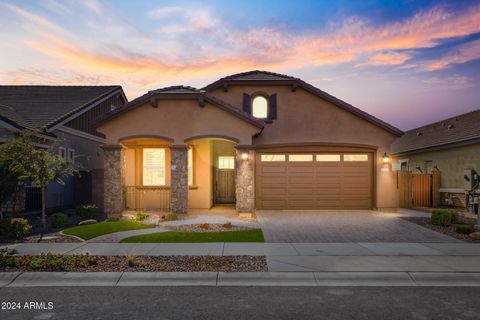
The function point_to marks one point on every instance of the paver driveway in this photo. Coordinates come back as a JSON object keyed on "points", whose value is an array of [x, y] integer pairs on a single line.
{"points": [[343, 226]]}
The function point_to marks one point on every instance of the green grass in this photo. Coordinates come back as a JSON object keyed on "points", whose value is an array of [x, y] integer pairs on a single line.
{"points": [[90, 231], [254, 235]]}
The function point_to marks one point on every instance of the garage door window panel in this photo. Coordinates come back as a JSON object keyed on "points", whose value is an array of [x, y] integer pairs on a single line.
{"points": [[328, 158], [355, 157], [300, 158], [273, 158]]}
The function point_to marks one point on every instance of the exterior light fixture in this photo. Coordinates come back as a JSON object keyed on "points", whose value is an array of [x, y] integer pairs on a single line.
{"points": [[244, 156], [386, 158]]}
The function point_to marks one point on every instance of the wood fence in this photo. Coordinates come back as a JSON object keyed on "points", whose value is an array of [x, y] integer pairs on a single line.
{"points": [[147, 198], [418, 190]]}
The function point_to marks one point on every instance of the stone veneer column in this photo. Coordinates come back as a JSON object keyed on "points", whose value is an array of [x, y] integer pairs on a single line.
{"points": [[113, 180], [179, 178], [244, 180]]}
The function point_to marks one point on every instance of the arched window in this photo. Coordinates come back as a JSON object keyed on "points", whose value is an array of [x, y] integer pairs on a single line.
{"points": [[260, 107]]}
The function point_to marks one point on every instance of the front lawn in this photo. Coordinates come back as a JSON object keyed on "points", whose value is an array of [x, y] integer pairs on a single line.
{"points": [[90, 231], [254, 235]]}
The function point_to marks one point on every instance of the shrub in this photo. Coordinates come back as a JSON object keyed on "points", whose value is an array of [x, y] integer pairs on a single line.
{"points": [[86, 211], [464, 228], [170, 217], [140, 216], [49, 261], [131, 260], [227, 225], [14, 228], [59, 220], [205, 226], [444, 217]]}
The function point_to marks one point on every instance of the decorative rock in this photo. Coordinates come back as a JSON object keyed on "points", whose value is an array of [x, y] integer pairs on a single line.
{"points": [[152, 220], [475, 235], [88, 221]]}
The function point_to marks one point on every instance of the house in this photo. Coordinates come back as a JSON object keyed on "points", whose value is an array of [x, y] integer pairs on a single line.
{"points": [[450, 146], [259, 140], [65, 113]]}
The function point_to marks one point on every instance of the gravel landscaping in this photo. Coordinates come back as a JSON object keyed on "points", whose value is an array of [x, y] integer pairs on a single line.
{"points": [[207, 227], [165, 264], [447, 230]]}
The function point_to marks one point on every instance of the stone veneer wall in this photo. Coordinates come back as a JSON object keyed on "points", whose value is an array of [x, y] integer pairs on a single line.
{"points": [[19, 202], [244, 181], [113, 181], [179, 179], [457, 200]]}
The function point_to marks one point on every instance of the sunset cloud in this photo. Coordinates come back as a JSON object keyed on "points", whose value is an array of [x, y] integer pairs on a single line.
{"points": [[176, 43]]}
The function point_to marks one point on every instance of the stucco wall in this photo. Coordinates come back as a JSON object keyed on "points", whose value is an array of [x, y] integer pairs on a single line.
{"points": [[305, 118], [178, 120], [450, 162], [201, 196]]}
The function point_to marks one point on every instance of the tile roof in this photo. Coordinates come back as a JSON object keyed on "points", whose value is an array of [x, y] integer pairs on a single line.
{"points": [[176, 89], [462, 128], [44, 106], [185, 90], [258, 75]]}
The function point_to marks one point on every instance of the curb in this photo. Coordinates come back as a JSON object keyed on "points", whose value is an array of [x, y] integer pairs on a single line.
{"points": [[222, 279]]}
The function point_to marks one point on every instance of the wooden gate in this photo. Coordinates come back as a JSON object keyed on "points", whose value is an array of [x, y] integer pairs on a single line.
{"points": [[418, 190]]}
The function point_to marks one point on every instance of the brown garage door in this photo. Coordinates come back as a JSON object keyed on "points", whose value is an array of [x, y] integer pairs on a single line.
{"points": [[314, 181]]}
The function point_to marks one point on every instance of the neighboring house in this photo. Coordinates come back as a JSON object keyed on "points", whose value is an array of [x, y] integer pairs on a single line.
{"points": [[65, 113], [450, 146], [258, 139]]}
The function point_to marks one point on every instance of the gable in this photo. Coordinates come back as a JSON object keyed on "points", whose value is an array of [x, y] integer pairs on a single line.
{"points": [[177, 120]]}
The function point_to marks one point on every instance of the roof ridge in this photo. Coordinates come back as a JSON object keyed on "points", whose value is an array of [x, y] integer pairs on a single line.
{"points": [[173, 88], [443, 120], [257, 71]]}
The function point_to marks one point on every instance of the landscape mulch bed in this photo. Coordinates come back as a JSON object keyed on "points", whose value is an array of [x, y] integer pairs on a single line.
{"points": [[167, 264], [54, 237], [449, 231], [206, 227]]}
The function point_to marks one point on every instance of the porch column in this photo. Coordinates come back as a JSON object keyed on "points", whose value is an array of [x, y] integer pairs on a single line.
{"points": [[244, 179], [179, 178], [113, 180]]}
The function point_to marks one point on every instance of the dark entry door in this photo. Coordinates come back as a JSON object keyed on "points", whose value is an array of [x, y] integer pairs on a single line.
{"points": [[225, 180]]}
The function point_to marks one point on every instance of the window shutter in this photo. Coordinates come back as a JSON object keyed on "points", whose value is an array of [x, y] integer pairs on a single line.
{"points": [[247, 103], [272, 107]]}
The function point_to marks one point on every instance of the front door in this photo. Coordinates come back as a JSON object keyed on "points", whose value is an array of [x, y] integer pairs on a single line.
{"points": [[225, 180]]}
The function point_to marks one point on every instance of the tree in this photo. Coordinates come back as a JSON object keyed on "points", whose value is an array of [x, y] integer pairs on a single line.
{"points": [[40, 165]]}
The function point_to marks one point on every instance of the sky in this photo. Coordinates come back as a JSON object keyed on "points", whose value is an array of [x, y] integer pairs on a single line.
{"points": [[407, 62]]}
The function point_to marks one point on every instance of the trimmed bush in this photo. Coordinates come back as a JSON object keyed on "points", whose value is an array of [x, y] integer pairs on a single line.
{"points": [[86, 211], [170, 217], [59, 220], [140, 216], [444, 217], [14, 228], [464, 228]]}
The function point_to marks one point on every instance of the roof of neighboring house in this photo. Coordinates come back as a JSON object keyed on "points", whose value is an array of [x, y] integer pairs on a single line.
{"points": [[448, 132], [41, 107], [277, 78], [177, 91]]}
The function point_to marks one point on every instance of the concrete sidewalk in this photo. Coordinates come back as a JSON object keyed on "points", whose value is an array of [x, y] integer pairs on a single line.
{"points": [[256, 249], [298, 257], [118, 279]]}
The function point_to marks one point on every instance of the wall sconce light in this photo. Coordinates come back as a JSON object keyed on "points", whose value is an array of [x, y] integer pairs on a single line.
{"points": [[386, 158], [244, 156]]}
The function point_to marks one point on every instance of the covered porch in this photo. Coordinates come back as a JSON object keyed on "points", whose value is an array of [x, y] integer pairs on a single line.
{"points": [[148, 170]]}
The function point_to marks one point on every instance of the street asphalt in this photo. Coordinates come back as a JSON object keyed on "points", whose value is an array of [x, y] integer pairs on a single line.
{"points": [[244, 303]]}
